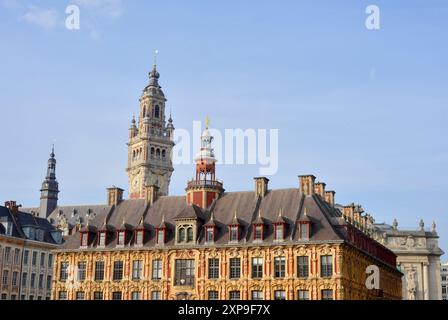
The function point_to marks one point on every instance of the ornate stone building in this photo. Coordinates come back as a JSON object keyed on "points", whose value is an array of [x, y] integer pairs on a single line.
{"points": [[418, 258], [212, 244], [444, 283]]}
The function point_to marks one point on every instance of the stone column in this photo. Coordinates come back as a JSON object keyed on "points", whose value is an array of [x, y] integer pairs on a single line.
{"points": [[425, 281]]}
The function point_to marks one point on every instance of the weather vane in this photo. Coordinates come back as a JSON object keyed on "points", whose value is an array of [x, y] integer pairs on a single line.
{"points": [[156, 52], [207, 122]]}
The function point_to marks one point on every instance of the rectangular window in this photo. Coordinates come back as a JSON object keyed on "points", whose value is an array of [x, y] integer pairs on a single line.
{"points": [[139, 237], [4, 296], [235, 295], [42, 259], [34, 259], [235, 268], [31, 297], [48, 282], [62, 295], [24, 279], [99, 270], [327, 294], [13, 297], [50, 260], [213, 295], [303, 295], [63, 272], [26, 256], [209, 236], [326, 266], [156, 295], [234, 233], [258, 233], [304, 231], [279, 295], [213, 268], [136, 295], [33, 280], [157, 269], [15, 277], [84, 239], [16, 256], [102, 241], [279, 234], [80, 295], [5, 280], [184, 272], [257, 295], [137, 268], [116, 295], [41, 281], [82, 266], [7, 254], [118, 271], [98, 295], [257, 267], [160, 236], [443, 289], [22, 297], [279, 267], [121, 238], [302, 267]]}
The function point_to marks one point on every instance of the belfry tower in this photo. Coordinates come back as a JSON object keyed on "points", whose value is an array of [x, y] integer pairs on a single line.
{"points": [[50, 189], [150, 142], [204, 189]]}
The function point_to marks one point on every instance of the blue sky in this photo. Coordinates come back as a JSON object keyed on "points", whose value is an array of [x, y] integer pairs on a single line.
{"points": [[365, 111]]}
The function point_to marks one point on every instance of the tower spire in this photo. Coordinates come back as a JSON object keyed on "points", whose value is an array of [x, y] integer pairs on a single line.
{"points": [[50, 188]]}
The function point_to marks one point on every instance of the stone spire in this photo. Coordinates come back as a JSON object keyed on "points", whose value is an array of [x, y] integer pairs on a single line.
{"points": [[50, 189]]}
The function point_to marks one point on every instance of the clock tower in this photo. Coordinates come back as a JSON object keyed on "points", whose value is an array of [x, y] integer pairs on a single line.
{"points": [[150, 142]]}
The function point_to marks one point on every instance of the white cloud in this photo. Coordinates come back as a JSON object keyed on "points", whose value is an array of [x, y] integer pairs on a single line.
{"points": [[45, 18], [111, 8]]}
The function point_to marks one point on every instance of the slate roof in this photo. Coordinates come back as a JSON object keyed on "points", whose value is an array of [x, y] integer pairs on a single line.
{"points": [[327, 223], [21, 220]]}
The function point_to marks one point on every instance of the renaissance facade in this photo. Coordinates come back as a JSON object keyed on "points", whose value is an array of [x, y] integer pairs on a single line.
{"points": [[209, 243]]}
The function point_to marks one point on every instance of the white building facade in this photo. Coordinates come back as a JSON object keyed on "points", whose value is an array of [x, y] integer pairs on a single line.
{"points": [[418, 258], [444, 280]]}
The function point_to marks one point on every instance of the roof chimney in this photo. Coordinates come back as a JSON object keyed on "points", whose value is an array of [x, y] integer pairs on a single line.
{"points": [[12, 206], [329, 197], [261, 186], [151, 193], [114, 196], [319, 188], [307, 184], [348, 212]]}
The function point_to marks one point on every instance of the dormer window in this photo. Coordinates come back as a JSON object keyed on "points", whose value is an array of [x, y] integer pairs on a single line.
{"points": [[233, 233], [305, 230], [209, 234], [160, 235], [279, 233], [121, 238], [185, 233], [139, 237], [84, 239], [102, 239], [258, 232]]}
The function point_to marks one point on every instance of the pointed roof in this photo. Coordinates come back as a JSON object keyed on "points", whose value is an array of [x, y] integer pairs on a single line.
{"points": [[280, 217], [305, 217], [190, 212], [259, 219], [211, 221]]}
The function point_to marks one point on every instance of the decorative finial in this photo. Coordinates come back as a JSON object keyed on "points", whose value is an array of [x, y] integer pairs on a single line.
{"points": [[422, 225], [395, 224], [207, 122], [52, 151], [305, 212], [280, 213], [156, 52], [433, 227], [133, 118]]}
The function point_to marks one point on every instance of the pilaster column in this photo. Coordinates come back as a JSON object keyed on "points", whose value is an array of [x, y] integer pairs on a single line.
{"points": [[425, 281]]}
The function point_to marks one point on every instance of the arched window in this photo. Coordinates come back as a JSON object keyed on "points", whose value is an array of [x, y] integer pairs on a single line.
{"points": [[190, 234], [158, 153], [163, 154], [157, 112], [152, 152], [181, 235]]}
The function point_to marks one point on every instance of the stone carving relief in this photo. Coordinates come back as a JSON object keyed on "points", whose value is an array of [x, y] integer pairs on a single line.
{"points": [[411, 281]]}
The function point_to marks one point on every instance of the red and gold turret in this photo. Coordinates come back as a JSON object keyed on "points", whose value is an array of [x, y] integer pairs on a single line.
{"points": [[204, 189]]}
